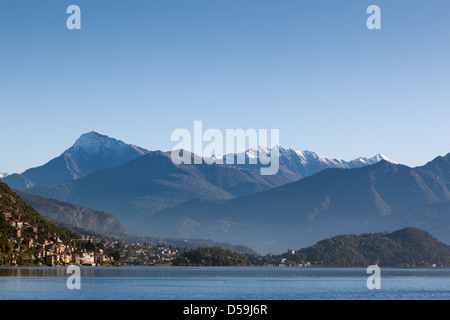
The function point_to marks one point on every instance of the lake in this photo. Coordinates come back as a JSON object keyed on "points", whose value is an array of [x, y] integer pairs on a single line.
{"points": [[224, 283]]}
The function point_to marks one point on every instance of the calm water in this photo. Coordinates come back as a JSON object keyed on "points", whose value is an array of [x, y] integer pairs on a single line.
{"points": [[237, 283]]}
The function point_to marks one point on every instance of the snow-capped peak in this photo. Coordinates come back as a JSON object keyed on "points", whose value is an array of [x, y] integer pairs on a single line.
{"points": [[253, 152], [369, 161], [380, 157], [96, 143], [93, 142], [303, 163]]}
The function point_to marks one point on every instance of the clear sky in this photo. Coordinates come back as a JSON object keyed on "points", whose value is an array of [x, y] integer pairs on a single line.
{"points": [[137, 70]]}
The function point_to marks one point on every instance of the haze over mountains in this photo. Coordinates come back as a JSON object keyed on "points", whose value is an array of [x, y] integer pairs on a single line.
{"points": [[74, 215], [132, 183], [311, 197], [152, 182], [380, 197]]}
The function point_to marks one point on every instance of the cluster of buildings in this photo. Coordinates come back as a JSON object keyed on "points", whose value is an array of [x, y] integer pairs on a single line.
{"points": [[143, 254], [55, 254], [31, 245], [19, 224], [34, 246]]}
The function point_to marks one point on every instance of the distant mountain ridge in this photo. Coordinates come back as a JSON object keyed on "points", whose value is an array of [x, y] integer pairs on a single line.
{"points": [[383, 196], [90, 153], [93, 151], [153, 182], [75, 215], [295, 165], [132, 183]]}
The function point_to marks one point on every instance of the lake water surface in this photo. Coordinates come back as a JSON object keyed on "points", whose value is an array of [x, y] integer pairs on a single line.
{"points": [[224, 283]]}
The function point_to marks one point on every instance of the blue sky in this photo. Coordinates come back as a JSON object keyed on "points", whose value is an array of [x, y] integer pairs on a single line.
{"points": [[137, 70]]}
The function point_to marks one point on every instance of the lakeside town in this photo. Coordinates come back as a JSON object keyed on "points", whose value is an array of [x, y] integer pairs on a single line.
{"points": [[24, 244], [28, 245]]}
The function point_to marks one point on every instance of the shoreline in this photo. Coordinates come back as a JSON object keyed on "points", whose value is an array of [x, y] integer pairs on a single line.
{"points": [[223, 267]]}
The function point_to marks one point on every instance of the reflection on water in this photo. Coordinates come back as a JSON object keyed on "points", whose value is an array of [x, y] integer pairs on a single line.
{"points": [[229, 283], [217, 272], [33, 272]]}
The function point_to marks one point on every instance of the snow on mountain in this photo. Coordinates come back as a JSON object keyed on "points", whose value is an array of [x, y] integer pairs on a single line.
{"points": [[295, 164], [306, 156], [93, 143], [91, 152], [3, 175]]}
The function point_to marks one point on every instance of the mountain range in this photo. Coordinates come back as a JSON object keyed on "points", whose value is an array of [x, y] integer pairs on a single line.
{"points": [[310, 198], [295, 164], [133, 183], [384, 196], [152, 182]]}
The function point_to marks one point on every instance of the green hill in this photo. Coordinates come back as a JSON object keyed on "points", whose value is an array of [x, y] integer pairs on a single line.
{"points": [[407, 247], [212, 256], [15, 243]]}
